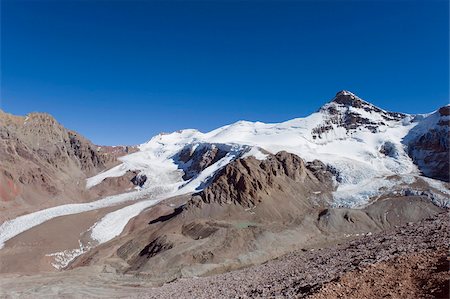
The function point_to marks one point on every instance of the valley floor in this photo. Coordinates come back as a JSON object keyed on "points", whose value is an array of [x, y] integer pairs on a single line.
{"points": [[410, 261]]}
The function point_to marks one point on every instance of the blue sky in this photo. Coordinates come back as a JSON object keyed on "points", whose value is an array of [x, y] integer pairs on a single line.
{"points": [[120, 72]]}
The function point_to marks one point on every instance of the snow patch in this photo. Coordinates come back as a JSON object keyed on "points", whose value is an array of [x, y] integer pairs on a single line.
{"points": [[256, 153], [63, 258], [13, 227]]}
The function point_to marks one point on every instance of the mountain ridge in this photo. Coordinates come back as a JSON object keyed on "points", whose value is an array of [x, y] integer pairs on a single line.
{"points": [[42, 160], [246, 173]]}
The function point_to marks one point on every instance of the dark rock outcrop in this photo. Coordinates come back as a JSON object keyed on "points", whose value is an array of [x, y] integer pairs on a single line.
{"points": [[428, 144], [115, 185], [156, 246], [389, 149], [246, 181], [152, 249], [139, 180], [321, 172], [194, 158]]}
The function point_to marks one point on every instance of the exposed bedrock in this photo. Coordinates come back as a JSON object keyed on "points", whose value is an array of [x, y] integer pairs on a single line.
{"points": [[248, 181], [43, 164], [194, 158], [428, 144]]}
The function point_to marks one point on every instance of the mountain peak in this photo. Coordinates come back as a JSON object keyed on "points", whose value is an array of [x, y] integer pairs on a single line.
{"points": [[348, 99], [345, 93], [352, 113], [345, 99]]}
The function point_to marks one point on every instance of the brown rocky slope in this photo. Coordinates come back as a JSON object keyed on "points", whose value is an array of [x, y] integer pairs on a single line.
{"points": [[405, 262], [43, 164], [408, 261]]}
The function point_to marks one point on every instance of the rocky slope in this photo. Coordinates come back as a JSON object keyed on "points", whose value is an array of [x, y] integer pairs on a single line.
{"points": [[408, 261], [194, 158], [247, 181], [351, 113], [43, 162], [240, 211], [428, 144]]}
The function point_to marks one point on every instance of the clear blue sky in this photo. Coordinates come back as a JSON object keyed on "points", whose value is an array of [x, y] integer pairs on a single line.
{"points": [[119, 72]]}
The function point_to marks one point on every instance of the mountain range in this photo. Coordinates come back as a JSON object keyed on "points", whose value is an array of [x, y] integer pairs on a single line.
{"points": [[190, 204]]}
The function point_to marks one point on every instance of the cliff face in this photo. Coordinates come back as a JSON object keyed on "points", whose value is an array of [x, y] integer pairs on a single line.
{"points": [[428, 144], [41, 160], [194, 158]]}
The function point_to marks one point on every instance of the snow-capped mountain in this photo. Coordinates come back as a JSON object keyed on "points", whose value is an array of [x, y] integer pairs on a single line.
{"points": [[360, 142], [370, 153], [362, 145]]}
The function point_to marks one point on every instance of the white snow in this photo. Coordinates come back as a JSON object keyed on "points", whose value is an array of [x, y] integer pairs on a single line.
{"points": [[63, 258], [255, 152], [357, 195], [113, 223], [13, 227]]}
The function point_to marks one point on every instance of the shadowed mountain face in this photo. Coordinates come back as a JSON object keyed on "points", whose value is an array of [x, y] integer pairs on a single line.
{"points": [[428, 144], [41, 160], [194, 158]]}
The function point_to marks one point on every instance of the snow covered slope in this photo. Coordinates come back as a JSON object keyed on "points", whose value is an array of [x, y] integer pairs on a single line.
{"points": [[359, 141]]}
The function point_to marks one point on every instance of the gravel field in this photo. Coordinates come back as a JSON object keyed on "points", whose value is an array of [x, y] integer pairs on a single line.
{"points": [[301, 274], [410, 261]]}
